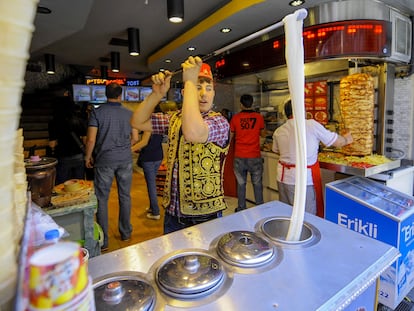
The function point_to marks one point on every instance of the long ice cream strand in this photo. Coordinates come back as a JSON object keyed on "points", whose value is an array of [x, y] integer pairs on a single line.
{"points": [[296, 81]]}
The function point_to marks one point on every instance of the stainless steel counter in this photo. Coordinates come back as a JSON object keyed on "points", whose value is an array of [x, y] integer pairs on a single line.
{"points": [[326, 274]]}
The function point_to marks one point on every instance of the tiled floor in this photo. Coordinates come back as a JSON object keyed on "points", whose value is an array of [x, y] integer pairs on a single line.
{"points": [[143, 228]]}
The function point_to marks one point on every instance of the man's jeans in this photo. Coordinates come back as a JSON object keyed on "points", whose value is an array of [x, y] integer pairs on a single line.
{"points": [[254, 166], [174, 223], [150, 173], [103, 181]]}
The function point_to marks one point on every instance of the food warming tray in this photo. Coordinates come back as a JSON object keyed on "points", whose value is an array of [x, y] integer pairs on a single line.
{"points": [[326, 274], [364, 172]]}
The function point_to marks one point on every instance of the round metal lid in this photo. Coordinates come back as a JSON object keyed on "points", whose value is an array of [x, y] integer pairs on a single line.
{"points": [[124, 292], [244, 249], [40, 163], [190, 275]]}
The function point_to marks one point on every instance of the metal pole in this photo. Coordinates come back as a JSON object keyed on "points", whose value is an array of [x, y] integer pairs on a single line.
{"points": [[300, 15]]}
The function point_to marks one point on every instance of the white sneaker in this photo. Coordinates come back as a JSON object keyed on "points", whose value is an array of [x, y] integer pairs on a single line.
{"points": [[155, 217]]}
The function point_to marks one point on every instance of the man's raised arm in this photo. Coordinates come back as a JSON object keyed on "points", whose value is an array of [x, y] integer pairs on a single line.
{"points": [[141, 119]]}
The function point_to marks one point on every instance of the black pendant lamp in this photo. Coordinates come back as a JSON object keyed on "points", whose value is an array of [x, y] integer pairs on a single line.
{"points": [[115, 61], [133, 41], [175, 10], [104, 72], [50, 63]]}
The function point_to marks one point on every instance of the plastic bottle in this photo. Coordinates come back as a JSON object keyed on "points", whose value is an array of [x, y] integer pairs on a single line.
{"points": [[52, 236], [47, 234]]}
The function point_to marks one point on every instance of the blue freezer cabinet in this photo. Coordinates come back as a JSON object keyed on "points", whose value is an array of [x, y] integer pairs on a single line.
{"points": [[384, 214]]}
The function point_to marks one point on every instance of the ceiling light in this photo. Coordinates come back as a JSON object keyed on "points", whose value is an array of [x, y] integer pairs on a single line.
{"points": [[43, 10], [191, 48], [296, 2], [133, 41], [50, 63], [175, 10], [168, 60], [104, 72], [225, 30], [115, 61]]}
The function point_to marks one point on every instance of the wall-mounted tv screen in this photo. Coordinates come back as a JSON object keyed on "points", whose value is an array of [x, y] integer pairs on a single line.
{"points": [[81, 92], [131, 94], [98, 93], [177, 96], [144, 92]]}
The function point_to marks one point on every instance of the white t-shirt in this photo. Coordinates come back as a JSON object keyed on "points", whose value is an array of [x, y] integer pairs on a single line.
{"points": [[284, 145]]}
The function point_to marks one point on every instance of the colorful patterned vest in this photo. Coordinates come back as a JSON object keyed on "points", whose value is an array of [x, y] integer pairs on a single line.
{"points": [[200, 172]]}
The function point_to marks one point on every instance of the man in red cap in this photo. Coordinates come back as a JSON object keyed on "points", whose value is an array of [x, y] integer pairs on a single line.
{"points": [[198, 141]]}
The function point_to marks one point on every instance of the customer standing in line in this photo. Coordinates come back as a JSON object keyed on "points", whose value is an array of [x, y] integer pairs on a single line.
{"points": [[66, 134], [284, 145], [198, 141], [150, 158], [247, 126], [110, 137]]}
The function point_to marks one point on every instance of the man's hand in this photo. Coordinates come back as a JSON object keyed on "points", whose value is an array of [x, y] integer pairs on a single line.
{"points": [[191, 68], [89, 162], [348, 138], [161, 82]]}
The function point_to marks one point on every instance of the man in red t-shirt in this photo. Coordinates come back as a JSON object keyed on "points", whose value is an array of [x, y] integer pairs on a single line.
{"points": [[247, 127]]}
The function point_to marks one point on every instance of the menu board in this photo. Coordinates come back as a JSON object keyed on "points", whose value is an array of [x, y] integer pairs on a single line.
{"points": [[144, 92], [81, 92], [98, 93], [131, 93], [316, 101]]}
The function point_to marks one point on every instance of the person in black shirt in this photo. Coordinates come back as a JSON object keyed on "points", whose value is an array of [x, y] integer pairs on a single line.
{"points": [[150, 158], [66, 133]]}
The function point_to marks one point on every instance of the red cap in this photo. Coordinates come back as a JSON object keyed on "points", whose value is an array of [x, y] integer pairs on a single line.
{"points": [[205, 71]]}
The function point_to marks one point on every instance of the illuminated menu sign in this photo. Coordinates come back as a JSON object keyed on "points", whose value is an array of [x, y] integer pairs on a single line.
{"points": [[105, 81], [96, 93], [132, 83], [357, 38]]}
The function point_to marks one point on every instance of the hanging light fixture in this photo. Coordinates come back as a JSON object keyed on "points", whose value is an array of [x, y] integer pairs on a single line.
{"points": [[115, 61], [104, 72], [133, 41], [296, 2], [50, 63], [175, 10]]}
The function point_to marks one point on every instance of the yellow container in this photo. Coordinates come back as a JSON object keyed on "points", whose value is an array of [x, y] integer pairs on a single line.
{"points": [[57, 275]]}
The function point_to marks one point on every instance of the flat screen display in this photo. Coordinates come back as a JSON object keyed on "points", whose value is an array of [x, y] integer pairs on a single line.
{"points": [[98, 93], [81, 92], [131, 94], [144, 92]]}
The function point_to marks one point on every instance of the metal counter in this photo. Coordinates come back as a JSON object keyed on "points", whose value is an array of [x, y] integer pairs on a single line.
{"points": [[324, 275]]}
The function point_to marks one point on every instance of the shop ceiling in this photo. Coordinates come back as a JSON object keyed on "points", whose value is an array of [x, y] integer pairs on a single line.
{"points": [[79, 32]]}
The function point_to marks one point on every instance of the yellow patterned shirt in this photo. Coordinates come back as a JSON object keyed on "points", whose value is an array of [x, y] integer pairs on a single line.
{"points": [[194, 180]]}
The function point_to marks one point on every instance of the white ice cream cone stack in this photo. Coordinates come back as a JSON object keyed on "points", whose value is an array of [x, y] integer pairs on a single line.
{"points": [[20, 187], [16, 29]]}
